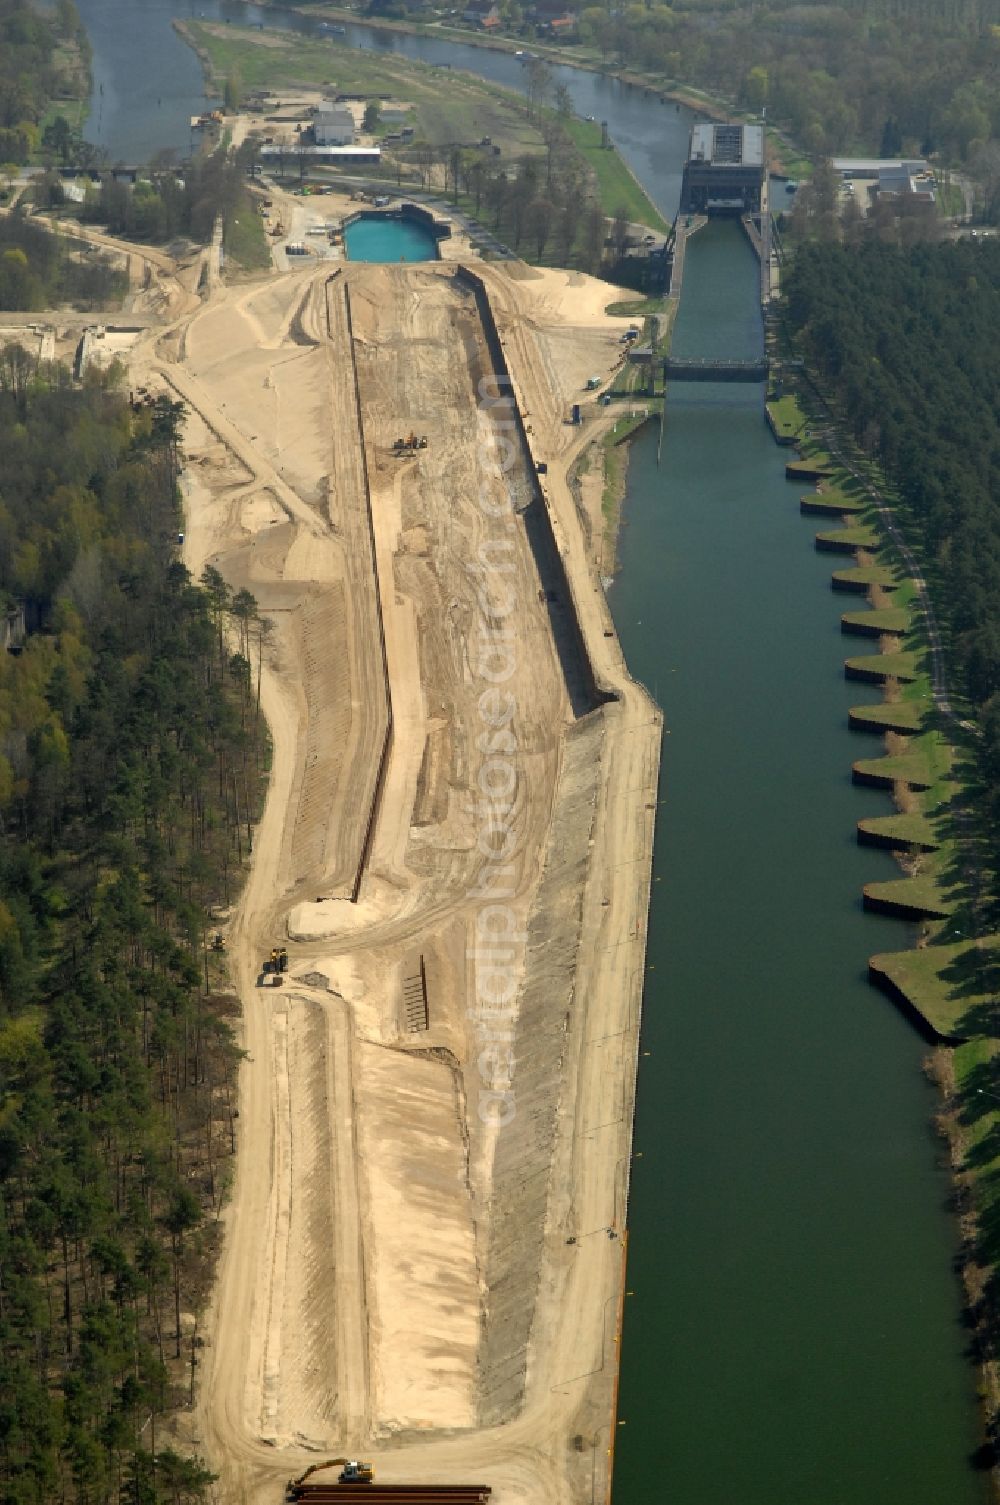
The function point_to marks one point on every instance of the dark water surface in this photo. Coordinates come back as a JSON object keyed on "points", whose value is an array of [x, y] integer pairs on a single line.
{"points": [[795, 1332], [794, 1337]]}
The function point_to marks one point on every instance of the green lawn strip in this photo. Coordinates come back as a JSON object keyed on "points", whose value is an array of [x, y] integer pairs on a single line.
{"points": [[616, 187], [837, 503], [879, 619], [633, 379], [860, 536], [926, 764], [974, 1063], [73, 111], [939, 758], [623, 428], [907, 768], [917, 689], [636, 308], [615, 458], [860, 576], [908, 830], [811, 467], [277, 60], [948, 197], [615, 465], [946, 983], [900, 716], [906, 595], [243, 237], [786, 415], [922, 892], [793, 162], [901, 666]]}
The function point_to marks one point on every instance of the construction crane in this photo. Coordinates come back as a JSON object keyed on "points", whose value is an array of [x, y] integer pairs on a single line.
{"points": [[352, 1471]]}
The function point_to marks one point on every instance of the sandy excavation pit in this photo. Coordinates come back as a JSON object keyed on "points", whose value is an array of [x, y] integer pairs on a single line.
{"points": [[462, 771]]}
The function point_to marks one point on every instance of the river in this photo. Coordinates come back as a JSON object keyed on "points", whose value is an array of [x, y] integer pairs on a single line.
{"points": [[795, 1329], [146, 88]]}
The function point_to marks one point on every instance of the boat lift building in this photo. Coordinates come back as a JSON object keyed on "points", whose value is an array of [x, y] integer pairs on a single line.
{"points": [[724, 172]]}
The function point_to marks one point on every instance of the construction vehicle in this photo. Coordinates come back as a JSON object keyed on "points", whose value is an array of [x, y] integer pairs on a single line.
{"points": [[352, 1471], [275, 965], [409, 444]]}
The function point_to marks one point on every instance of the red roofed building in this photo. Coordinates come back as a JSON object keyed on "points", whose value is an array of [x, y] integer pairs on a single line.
{"points": [[553, 18], [482, 13]]}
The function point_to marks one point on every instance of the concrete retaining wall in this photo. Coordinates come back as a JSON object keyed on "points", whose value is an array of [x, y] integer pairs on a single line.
{"points": [[871, 780], [921, 1023], [896, 909], [868, 719], [869, 838], [567, 632], [386, 750]]}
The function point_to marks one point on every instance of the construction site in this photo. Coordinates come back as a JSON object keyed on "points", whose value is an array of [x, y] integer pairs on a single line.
{"points": [[439, 949]]}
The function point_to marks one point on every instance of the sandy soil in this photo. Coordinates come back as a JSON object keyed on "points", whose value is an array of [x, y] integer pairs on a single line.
{"points": [[423, 1250]]}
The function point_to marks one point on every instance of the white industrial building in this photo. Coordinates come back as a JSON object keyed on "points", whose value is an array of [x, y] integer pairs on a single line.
{"points": [[333, 125], [898, 176]]}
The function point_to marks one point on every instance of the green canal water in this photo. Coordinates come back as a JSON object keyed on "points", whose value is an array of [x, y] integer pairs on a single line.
{"points": [[794, 1336], [386, 237]]}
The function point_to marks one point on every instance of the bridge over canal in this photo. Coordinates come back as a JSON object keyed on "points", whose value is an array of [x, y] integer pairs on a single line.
{"points": [[703, 370]]}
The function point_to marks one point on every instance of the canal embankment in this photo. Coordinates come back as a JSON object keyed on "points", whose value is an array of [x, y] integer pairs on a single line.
{"points": [[921, 765], [946, 984]]}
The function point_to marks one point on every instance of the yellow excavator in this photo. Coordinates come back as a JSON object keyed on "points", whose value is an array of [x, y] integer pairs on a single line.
{"points": [[352, 1471]]}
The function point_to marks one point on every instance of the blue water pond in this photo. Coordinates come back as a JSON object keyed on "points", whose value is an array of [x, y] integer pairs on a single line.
{"points": [[386, 237]]}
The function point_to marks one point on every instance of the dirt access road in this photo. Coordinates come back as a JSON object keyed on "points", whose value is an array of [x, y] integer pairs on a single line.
{"points": [[422, 1257]]}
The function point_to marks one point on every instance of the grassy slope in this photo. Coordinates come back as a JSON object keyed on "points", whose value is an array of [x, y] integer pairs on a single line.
{"points": [[868, 574], [832, 499], [944, 981], [886, 619], [243, 238], [923, 891], [786, 415], [916, 829], [616, 187], [926, 763], [905, 716], [859, 537]]}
